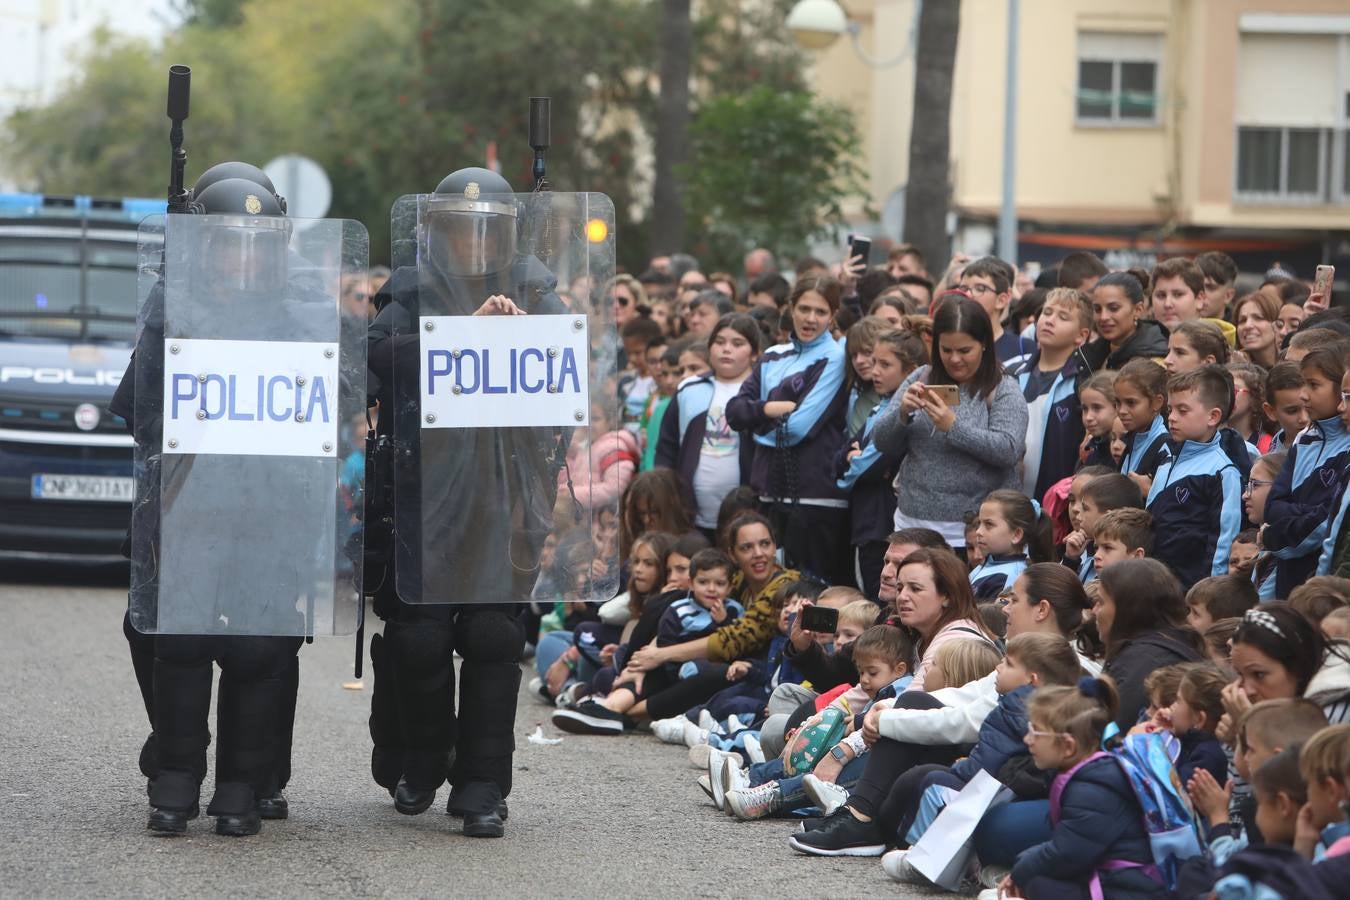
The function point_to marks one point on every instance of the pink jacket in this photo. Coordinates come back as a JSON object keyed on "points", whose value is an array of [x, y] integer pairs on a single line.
{"points": [[959, 630], [613, 458]]}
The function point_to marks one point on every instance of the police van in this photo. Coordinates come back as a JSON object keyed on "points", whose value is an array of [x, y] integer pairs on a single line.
{"points": [[68, 289]]}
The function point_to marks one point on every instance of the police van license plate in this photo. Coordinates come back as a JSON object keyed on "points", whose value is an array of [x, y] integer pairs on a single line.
{"points": [[84, 487]]}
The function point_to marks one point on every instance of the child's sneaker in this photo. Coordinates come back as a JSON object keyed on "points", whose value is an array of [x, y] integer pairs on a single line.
{"points": [[699, 754], [756, 802], [717, 762], [898, 868], [570, 696], [694, 735], [539, 691], [589, 718], [752, 748], [733, 725], [707, 722], [670, 731], [827, 796], [990, 876], [841, 834], [734, 778], [988, 894], [705, 783]]}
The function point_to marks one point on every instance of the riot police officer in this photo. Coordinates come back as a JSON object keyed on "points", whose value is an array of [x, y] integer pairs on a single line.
{"points": [[483, 495], [271, 803]]}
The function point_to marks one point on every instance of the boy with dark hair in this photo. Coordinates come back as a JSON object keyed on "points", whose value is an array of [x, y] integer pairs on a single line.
{"points": [[1220, 283], [1196, 496], [1286, 402], [1081, 271], [920, 288], [1096, 498], [770, 291], [989, 281], [1049, 380]]}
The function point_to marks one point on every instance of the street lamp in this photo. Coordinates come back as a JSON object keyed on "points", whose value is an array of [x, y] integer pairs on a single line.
{"points": [[817, 24]]}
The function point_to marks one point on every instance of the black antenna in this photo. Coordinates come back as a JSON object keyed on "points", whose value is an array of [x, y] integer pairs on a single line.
{"points": [[180, 90], [539, 137]]}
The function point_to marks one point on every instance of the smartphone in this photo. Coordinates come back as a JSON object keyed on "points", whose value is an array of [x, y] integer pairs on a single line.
{"points": [[950, 393], [820, 618], [1324, 277], [860, 246]]}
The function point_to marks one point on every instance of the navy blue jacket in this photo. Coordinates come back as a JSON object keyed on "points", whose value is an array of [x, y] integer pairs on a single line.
{"points": [[1135, 658], [867, 480], [1196, 504], [812, 376], [1001, 736], [1098, 453], [682, 430], [1061, 421], [1100, 820], [996, 573], [1299, 506], [1201, 750]]}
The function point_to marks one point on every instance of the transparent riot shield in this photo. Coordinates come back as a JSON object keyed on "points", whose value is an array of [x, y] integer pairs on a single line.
{"points": [[250, 399], [510, 459]]}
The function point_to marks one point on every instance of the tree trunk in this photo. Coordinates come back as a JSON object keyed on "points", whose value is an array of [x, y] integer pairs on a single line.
{"points": [[672, 128], [929, 190]]}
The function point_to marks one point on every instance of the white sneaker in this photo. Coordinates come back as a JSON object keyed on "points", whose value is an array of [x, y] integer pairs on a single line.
{"points": [[988, 894], [898, 868], [699, 755], [990, 876], [755, 802], [717, 763], [707, 722], [704, 783], [824, 794], [752, 748], [694, 735], [539, 691], [733, 725], [670, 731], [570, 696], [734, 778]]}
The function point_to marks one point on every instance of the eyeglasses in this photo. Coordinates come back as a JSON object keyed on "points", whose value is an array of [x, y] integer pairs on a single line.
{"points": [[1034, 734], [621, 300], [981, 289], [1252, 484], [1003, 598]]}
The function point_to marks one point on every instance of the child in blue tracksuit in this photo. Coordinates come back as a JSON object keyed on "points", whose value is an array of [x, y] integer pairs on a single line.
{"points": [[866, 472], [1196, 496], [1011, 533], [1050, 381], [1301, 499], [794, 402], [1141, 393]]}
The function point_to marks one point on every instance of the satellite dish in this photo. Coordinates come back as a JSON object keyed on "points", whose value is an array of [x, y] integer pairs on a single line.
{"points": [[303, 183]]}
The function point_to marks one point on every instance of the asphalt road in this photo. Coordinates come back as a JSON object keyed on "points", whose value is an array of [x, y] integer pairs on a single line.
{"points": [[589, 817]]}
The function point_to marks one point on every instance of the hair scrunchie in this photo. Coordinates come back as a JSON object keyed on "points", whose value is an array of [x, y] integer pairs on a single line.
{"points": [[1090, 687], [1036, 506]]}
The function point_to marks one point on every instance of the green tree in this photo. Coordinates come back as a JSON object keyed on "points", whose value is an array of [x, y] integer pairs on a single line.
{"points": [[769, 168]]}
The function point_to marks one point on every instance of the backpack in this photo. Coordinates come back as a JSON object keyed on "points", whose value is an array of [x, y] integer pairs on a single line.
{"points": [[1148, 763]]}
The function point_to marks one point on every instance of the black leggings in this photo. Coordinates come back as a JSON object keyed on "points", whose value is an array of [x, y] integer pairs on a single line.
{"points": [[665, 701], [881, 793]]}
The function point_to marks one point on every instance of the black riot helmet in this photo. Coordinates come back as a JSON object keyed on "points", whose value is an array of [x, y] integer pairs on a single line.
{"points": [[237, 169], [243, 249], [470, 224]]}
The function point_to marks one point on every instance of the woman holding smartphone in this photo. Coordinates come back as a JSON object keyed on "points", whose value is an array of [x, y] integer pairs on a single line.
{"points": [[960, 423]]}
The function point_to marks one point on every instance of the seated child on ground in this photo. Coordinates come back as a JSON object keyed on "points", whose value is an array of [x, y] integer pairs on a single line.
{"points": [[1194, 714], [882, 656], [1325, 766]]}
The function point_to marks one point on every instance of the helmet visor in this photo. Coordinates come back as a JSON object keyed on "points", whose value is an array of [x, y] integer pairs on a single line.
{"points": [[471, 243], [246, 259]]}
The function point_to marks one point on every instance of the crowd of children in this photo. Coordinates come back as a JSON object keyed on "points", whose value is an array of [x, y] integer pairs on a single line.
{"points": [[885, 540]]}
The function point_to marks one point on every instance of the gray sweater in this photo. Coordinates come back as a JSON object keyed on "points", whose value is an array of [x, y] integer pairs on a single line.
{"points": [[945, 476]]}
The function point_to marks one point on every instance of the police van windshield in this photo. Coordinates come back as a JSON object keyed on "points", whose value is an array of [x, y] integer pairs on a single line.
{"points": [[68, 290]]}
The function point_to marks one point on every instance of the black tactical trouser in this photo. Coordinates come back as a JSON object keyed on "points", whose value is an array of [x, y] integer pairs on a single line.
{"points": [[250, 714], [142, 647], [419, 733]]}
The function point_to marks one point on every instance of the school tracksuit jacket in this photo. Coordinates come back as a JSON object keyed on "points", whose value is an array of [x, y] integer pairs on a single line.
{"points": [[1302, 501], [867, 480], [1196, 504], [1057, 417], [1144, 452]]}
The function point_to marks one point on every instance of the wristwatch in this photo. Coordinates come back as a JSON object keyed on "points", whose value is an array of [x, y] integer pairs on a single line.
{"points": [[839, 752]]}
